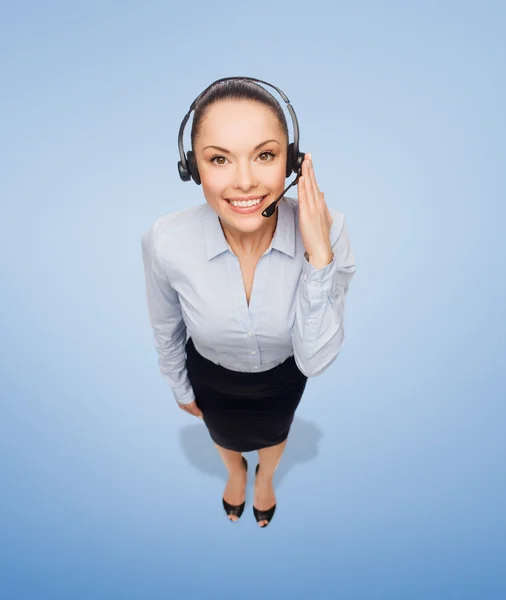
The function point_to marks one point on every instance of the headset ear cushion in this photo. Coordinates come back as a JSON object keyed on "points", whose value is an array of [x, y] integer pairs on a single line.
{"points": [[192, 167], [289, 160], [300, 159], [183, 173]]}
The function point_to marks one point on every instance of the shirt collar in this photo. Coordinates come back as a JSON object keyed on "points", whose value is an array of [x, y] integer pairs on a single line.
{"points": [[283, 240]]}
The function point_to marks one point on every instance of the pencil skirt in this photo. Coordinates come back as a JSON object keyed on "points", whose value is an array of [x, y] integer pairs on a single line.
{"points": [[245, 411]]}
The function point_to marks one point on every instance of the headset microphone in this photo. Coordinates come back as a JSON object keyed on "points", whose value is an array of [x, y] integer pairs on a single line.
{"points": [[269, 211]]}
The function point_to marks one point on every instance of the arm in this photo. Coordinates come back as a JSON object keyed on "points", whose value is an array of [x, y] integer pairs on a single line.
{"points": [[166, 319], [318, 331]]}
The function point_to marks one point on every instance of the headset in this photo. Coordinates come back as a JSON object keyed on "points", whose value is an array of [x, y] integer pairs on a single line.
{"points": [[187, 166]]}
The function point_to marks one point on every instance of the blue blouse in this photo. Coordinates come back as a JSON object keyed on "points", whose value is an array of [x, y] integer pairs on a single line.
{"points": [[194, 287]]}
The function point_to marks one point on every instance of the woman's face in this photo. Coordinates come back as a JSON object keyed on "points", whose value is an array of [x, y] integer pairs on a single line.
{"points": [[241, 154]]}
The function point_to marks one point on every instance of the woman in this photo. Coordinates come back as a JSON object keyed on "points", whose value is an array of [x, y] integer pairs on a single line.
{"points": [[245, 308]]}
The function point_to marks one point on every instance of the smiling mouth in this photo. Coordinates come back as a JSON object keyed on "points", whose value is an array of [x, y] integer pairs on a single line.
{"points": [[247, 203]]}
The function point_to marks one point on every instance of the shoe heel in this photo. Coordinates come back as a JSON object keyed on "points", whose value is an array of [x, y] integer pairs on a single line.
{"points": [[263, 515], [235, 510]]}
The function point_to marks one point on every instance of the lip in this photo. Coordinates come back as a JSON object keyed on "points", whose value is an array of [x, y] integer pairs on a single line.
{"points": [[251, 209], [243, 198]]}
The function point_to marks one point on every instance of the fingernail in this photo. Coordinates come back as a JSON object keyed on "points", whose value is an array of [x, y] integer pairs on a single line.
{"points": [[309, 156]]}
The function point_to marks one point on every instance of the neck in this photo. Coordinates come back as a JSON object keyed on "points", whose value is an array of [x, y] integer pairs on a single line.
{"points": [[250, 244]]}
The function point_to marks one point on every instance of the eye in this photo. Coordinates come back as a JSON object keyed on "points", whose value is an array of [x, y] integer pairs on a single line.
{"points": [[267, 153], [215, 157]]}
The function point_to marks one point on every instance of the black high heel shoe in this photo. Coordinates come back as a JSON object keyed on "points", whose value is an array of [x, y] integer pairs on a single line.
{"points": [[263, 515], [235, 510]]}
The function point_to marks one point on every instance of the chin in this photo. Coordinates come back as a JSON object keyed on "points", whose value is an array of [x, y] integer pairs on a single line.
{"points": [[249, 225]]}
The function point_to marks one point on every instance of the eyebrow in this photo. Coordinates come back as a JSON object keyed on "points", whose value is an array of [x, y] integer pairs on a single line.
{"points": [[228, 151]]}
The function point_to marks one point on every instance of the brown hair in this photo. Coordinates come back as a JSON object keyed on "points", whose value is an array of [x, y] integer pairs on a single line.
{"points": [[237, 89]]}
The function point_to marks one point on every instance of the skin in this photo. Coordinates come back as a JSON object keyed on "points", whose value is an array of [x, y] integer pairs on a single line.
{"points": [[239, 126], [244, 171]]}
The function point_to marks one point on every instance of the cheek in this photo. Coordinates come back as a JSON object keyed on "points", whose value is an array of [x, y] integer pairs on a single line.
{"points": [[213, 187], [277, 175], [213, 184]]}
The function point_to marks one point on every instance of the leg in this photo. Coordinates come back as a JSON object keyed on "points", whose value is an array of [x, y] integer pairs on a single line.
{"points": [[264, 490], [235, 489], [269, 459]]}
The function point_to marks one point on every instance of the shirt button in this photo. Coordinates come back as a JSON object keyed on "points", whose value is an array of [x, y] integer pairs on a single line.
{"points": [[253, 352], [250, 333], [255, 367]]}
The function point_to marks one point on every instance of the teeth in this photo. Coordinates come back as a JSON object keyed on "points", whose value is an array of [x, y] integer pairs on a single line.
{"points": [[247, 203]]}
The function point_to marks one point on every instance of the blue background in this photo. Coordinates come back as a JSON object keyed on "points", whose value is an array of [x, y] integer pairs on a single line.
{"points": [[392, 485]]}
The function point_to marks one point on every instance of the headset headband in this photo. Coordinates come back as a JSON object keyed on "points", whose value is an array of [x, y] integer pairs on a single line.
{"points": [[187, 165]]}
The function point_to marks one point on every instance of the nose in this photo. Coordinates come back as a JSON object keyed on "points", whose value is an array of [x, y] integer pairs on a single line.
{"points": [[245, 176]]}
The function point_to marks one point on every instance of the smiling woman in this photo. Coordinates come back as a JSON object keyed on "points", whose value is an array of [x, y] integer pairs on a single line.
{"points": [[241, 314], [240, 147]]}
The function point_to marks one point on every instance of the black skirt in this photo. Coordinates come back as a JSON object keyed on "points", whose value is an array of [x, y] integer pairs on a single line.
{"points": [[245, 411]]}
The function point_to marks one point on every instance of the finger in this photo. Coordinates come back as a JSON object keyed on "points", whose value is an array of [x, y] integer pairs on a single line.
{"points": [[198, 411], [306, 183], [312, 176], [329, 216], [301, 188], [304, 169], [311, 170], [309, 186], [195, 412]]}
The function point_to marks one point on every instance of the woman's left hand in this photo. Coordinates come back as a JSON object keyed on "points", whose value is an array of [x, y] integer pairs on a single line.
{"points": [[315, 220]]}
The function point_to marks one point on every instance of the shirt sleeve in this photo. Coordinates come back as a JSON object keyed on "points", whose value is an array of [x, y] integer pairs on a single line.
{"points": [[318, 330], [166, 319]]}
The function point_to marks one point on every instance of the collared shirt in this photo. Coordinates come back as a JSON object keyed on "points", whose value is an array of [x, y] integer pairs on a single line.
{"points": [[195, 288]]}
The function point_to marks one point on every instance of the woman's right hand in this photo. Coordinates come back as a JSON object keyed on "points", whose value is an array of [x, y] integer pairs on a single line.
{"points": [[192, 408]]}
